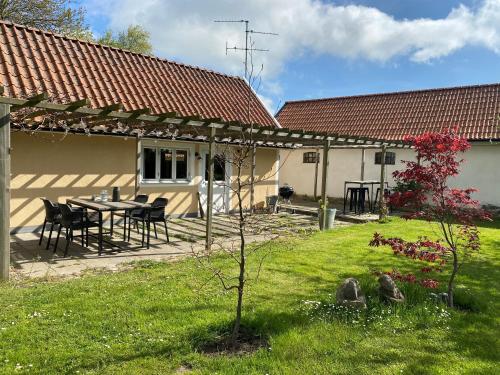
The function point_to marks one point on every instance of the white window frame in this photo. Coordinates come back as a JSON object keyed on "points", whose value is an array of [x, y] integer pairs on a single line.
{"points": [[174, 180]]}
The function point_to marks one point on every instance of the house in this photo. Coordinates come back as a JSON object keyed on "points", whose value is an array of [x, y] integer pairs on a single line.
{"points": [[473, 109], [60, 164]]}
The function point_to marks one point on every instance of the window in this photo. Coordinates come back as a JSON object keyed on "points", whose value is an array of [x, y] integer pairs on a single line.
{"points": [[390, 158], [219, 168], [311, 157], [181, 164], [166, 167], [160, 164], [149, 166]]}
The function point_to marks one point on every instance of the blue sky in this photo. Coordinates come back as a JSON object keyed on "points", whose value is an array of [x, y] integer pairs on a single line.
{"points": [[335, 48]]}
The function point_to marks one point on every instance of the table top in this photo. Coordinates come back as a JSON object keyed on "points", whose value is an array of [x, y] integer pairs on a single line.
{"points": [[106, 206], [365, 182]]}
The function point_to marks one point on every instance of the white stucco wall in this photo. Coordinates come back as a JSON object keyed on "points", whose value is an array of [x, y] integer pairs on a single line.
{"points": [[481, 170]]}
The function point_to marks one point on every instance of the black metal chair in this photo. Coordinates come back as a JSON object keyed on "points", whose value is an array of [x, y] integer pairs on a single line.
{"points": [[74, 219], [363, 196], [153, 214], [352, 197], [357, 198], [141, 198], [52, 217]]}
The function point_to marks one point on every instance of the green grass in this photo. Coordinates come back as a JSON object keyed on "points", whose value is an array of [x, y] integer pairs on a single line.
{"points": [[152, 319]]}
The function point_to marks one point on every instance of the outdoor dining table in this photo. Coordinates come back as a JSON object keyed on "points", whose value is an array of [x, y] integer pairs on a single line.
{"points": [[361, 184], [100, 207]]}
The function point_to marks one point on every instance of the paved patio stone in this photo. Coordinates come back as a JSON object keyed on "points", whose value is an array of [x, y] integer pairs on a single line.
{"points": [[30, 260]]}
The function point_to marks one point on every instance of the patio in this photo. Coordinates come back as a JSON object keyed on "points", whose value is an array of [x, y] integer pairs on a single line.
{"points": [[305, 205], [186, 235]]}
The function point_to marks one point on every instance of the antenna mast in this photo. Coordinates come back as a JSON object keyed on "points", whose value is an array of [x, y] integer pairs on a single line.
{"points": [[247, 49]]}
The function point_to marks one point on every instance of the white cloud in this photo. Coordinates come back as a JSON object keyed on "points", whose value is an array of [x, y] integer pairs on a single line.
{"points": [[268, 103], [184, 30]]}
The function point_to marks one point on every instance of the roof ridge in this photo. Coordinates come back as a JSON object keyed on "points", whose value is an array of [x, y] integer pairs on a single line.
{"points": [[152, 57], [389, 93]]}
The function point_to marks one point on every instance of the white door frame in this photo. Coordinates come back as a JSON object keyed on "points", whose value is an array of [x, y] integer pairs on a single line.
{"points": [[218, 185]]}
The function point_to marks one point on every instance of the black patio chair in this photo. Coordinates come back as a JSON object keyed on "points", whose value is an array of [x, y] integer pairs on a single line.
{"points": [[74, 219], [151, 215], [363, 197], [351, 195], [141, 198], [52, 217]]}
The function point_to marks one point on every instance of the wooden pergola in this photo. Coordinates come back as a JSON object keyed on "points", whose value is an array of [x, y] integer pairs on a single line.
{"points": [[78, 117]]}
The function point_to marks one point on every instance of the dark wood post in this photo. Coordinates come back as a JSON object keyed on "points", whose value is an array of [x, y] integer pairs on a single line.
{"points": [[362, 164], [324, 179], [252, 178], [137, 165], [381, 205], [4, 191], [316, 175], [210, 188]]}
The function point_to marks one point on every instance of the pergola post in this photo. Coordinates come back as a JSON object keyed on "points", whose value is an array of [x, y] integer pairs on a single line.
{"points": [[210, 188], [137, 165], [362, 164], [324, 179], [4, 191], [252, 177], [381, 205], [316, 175]]}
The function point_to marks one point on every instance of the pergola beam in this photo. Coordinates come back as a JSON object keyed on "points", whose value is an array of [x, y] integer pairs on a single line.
{"points": [[259, 133], [111, 108], [32, 100]]}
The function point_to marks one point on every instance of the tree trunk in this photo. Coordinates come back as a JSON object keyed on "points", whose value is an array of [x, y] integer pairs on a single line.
{"points": [[241, 277], [237, 322], [452, 278]]}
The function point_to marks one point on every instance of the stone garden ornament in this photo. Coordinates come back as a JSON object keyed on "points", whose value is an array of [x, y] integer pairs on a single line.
{"points": [[389, 291], [349, 294]]}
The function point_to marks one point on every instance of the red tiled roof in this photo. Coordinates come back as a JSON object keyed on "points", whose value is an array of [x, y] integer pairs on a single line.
{"points": [[474, 109], [34, 61]]}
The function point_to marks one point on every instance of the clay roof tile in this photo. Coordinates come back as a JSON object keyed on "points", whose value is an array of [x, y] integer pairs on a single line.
{"points": [[32, 60], [473, 109]]}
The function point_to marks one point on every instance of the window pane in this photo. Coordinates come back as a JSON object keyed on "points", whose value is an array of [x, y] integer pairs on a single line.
{"points": [[219, 168], [149, 166], [390, 158], [165, 164], [181, 160], [310, 157]]}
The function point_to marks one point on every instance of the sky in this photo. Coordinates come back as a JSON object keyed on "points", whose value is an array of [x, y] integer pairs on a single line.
{"points": [[323, 48]]}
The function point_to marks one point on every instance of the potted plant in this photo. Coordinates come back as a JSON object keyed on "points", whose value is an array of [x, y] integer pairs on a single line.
{"points": [[330, 215]]}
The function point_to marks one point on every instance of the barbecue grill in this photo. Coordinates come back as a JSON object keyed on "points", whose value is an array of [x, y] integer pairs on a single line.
{"points": [[286, 192]]}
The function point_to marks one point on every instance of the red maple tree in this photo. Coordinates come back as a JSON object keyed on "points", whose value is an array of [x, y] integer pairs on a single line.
{"points": [[424, 194]]}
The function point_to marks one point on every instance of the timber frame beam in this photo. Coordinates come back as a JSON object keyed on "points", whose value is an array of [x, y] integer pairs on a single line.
{"points": [[113, 120]]}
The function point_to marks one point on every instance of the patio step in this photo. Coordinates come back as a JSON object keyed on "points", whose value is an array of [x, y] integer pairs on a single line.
{"points": [[313, 211]]}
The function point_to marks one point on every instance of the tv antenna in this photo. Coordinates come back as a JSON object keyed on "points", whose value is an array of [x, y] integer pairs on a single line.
{"points": [[247, 49]]}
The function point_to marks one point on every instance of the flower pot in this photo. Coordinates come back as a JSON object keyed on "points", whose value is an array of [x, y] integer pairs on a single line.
{"points": [[330, 218], [271, 203]]}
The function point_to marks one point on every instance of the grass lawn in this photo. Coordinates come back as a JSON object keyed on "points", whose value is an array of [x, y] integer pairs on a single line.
{"points": [[152, 319]]}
